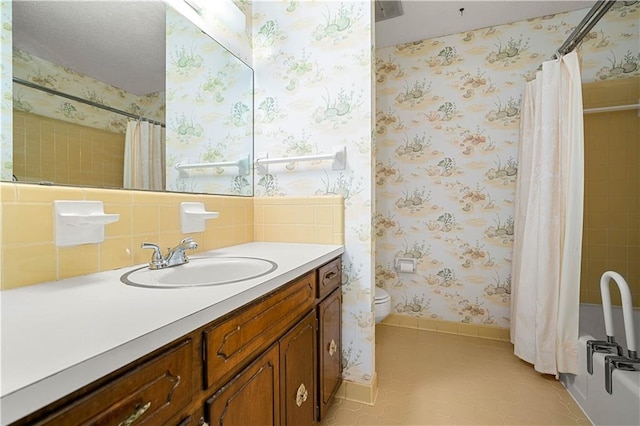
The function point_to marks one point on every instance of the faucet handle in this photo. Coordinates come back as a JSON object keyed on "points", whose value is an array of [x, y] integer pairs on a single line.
{"points": [[186, 244], [157, 260], [177, 255]]}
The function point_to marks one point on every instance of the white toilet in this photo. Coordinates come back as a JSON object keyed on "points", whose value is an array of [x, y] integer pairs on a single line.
{"points": [[382, 304]]}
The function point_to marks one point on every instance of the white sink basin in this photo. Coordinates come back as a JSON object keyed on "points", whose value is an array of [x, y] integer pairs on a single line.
{"points": [[204, 271]]}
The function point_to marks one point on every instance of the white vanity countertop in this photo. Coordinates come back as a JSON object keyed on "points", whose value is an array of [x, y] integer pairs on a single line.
{"points": [[59, 336]]}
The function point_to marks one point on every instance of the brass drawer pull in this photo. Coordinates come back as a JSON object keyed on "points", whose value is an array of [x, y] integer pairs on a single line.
{"points": [[332, 347], [140, 410], [330, 275], [301, 395]]}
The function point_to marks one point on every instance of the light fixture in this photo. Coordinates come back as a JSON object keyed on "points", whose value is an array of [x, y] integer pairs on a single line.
{"points": [[225, 11], [193, 4], [230, 15]]}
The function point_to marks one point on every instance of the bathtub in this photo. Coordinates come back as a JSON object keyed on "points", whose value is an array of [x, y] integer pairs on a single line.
{"points": [[623, 406]]}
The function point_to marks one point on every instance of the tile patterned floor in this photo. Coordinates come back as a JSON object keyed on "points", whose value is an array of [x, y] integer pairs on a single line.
{"points": [[441, 379]]}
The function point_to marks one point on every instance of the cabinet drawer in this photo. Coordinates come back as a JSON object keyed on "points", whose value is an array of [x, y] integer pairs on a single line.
{"points": [[231, 343], [329, 277], [150, 394]]}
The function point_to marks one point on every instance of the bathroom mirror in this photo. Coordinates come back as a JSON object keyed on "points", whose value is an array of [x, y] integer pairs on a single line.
{"points": [[92, 78]]}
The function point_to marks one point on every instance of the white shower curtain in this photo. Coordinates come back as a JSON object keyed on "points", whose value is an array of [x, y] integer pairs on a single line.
{"points": [[548, 219], [144, 156]]}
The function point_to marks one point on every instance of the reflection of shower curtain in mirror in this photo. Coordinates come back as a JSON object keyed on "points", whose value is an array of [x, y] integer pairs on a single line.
{"points": [[144, 156]]}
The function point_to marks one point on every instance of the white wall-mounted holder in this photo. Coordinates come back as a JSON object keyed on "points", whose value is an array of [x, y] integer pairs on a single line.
{"points": [[406, 265], [80, 222], [193, 217], [242, 164], [613, 108], [338, 158]]}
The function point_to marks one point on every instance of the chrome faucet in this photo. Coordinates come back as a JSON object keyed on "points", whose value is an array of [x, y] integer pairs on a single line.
{"points": [[175, 256]]}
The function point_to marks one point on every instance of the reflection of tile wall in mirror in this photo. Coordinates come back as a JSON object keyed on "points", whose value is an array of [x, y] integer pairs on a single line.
{"points": [[226, 113], [56, 154]]}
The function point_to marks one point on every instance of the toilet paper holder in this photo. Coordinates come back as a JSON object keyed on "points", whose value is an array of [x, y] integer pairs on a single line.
{"points": [[406, 265]]}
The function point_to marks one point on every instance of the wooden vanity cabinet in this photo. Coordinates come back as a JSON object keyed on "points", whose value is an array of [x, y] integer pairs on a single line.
{"points": [[310, 356], [275, 361]]}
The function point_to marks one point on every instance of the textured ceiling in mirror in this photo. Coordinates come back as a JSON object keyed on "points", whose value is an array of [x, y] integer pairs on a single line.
{"points": [[127, 32]]}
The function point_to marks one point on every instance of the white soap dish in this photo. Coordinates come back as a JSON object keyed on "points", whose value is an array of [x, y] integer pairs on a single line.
{"points": [[193, 217], [80, 222]]}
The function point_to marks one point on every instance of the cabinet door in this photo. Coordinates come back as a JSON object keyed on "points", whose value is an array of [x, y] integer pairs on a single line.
{"points": [[250, 398], [298, 373], [330, 349]]}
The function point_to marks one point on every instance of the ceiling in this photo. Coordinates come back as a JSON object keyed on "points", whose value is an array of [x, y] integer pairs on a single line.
{"points": [[132, 32], [423, 19]]}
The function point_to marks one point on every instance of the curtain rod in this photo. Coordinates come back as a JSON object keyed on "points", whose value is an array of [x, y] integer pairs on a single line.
{"points": [[582, 29], [83, 101]]}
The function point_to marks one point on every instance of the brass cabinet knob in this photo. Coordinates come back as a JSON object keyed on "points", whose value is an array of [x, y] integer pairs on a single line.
{"points": [[332, 347], [301, 395]]}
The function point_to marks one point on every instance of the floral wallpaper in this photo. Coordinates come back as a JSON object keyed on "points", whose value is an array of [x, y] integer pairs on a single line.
{"points": [[6, 118], [447, 131], [52, 76], [209, 112], [313, 63]]}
